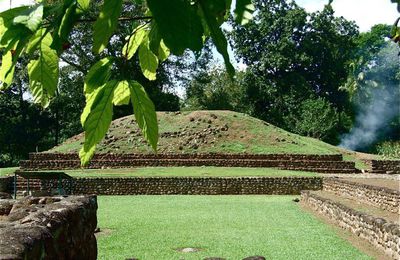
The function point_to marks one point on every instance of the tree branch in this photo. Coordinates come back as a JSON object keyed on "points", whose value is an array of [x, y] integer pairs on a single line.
{"points": [[80, 68], [121, 19]]}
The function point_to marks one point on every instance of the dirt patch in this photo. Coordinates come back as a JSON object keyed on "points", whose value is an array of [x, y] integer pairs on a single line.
{"points": [[188, 249], [354, 240], [364, 176], [380, 182], [103, 232]]}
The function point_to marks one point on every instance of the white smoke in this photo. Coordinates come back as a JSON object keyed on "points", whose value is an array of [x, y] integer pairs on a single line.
{"points": [[373, 117]]}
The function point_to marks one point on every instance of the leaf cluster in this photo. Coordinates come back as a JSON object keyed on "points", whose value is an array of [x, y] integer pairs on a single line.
{"points": [[42, 31]]}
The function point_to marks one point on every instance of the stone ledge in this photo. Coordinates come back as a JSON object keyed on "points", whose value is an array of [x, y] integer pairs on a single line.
{"points": [[111, 156], [383, 235], [48, 228], [188, 185], [381, 197], [316, 166]]}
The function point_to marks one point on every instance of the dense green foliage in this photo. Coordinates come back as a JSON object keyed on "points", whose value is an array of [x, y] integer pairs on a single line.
{"points": [[389, 150], [373, 84], [232, 227], [24, 128], [310, 73], [293, 59]]}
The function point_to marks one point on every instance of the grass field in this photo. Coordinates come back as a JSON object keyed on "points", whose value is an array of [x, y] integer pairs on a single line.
{"points": [[186, 171], [7, 171], [232, 227]]}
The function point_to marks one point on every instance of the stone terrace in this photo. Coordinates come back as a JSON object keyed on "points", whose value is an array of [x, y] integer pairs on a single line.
{"points": [[369, 212], [303, 162]]}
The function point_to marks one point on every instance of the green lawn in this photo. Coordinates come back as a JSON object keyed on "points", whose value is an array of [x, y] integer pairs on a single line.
{"points": [[232, 227], [7, 171], [186, 171]]}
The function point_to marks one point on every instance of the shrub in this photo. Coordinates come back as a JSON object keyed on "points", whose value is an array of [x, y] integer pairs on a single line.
{"points": [[389, 149]]}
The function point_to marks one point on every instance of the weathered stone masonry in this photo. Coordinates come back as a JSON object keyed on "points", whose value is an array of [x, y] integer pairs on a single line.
{"points": [[127, 156], [48, 228], [385, 166], [189, 185], [6, 183], [380, 197], [304, 162], [385, 236]]}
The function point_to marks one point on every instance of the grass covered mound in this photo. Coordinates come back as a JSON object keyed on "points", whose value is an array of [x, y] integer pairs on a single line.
{"points": [[231, 227], [203, 132]]}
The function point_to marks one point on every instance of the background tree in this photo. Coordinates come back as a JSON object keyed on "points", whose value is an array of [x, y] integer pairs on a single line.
{"points": [[214, 90], [294, 57]]}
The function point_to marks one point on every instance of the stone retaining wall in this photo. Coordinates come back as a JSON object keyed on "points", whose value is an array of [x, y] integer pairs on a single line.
{"points": [[383, 235], [6, 183], [291, 157], [380, 197], [48, 228], [385, 166], [316, 166], [188, 185]]}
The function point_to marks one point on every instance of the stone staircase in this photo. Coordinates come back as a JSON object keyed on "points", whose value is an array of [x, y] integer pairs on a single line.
{"points": [[368, 211]]}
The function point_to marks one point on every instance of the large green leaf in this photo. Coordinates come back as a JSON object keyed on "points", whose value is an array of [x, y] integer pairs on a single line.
{"points": [[106, 24], [6, 70], [122, 94], [243, 11], [8, 30], [65, 20], [148, 60], [90, 98], [98, 120], [10, 58], [83, 6], [216, 33], [134, 42], [98, 75], [154, 38], [178, 23], [32, 18], [163, 52], [43, 72], [145, 113], [34, 42]]}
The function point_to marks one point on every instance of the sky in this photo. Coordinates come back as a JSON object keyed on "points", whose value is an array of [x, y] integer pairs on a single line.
{"points": [[364, 12]]}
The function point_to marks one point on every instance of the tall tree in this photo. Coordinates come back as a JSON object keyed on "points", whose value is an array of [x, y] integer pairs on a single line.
{"points": [[293, 56]]}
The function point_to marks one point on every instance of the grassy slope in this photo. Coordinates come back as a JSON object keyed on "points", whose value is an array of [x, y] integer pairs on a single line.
{"points": [[186, 171], [232, 227], [245, 134]]}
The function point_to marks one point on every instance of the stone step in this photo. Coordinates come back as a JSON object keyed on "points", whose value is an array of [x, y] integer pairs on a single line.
{"points": [[374, 195], [380, 228]]}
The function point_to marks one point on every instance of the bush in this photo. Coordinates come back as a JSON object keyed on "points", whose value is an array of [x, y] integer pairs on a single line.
{"points": [[318, 119], [389, 149]]}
